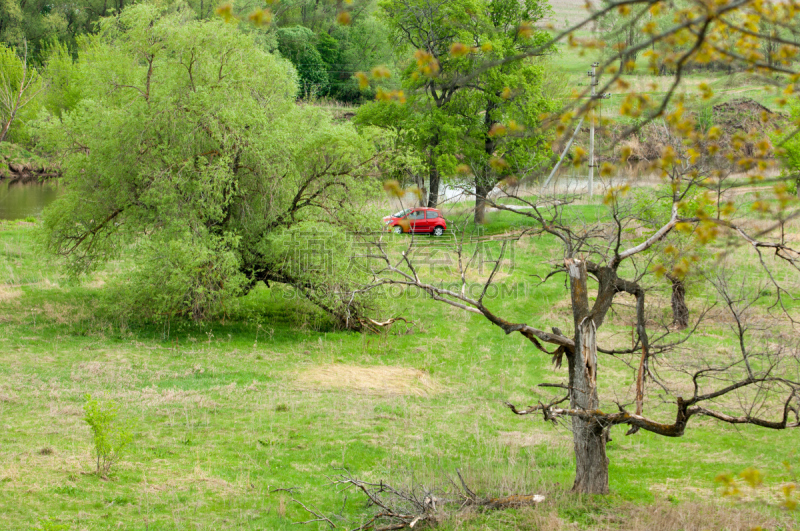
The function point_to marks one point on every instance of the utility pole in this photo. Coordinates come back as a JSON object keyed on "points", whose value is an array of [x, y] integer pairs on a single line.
{"points": [[593, 78], [593, 75]]}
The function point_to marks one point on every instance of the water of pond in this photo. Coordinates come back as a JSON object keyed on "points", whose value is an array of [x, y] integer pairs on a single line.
{"points": [[20, 200], [576, 180]]}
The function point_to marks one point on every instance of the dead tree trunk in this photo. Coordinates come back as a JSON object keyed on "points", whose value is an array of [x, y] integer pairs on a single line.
{"points": [[591, 463], [680, 312]]}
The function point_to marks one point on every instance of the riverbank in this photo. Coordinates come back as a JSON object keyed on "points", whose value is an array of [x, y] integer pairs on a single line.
{"points": [[22, 165]]}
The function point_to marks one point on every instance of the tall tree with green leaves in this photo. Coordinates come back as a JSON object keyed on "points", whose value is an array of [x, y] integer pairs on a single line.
{"points": [[506, 99], [187, 146], [299, 45], [431, 28], [462, 81]]}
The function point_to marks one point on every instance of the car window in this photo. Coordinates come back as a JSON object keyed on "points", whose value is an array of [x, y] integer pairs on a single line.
{"points": [[417, 214], [432, 214], [402, 213]]}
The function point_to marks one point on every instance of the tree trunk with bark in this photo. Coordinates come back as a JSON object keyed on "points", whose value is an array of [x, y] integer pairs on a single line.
{"points": [[591, 462], [481, 192], [433, 189], [6, 126], [484, 183], [680, 312]]}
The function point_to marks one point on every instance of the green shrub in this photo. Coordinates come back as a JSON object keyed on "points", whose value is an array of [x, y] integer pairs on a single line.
{"points": [[50, 524], [110, 437], [705, 118]]}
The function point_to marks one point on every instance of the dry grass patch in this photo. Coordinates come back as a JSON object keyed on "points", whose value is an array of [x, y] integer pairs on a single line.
{"points": [[527, 439], [572, 10], [7, 394], [197, 479], [104, 372], [378, 380], [153, 397], [95, 283], [691, 516], [8, 293], [65, 313]]}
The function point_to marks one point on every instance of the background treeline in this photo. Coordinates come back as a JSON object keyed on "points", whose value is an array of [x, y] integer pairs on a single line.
{"points": [[325, 52], [621, 32]]}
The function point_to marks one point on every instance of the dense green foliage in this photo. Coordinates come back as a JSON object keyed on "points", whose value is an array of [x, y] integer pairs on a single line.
{"points": [[20, 87], [790, 154], [326, 60], [41, 23], [455, 114], [297, 45], [186, 147], [300, 28]]}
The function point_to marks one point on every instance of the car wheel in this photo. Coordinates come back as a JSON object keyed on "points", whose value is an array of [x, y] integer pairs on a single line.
{"points": [[438, 231], [397, 229]]}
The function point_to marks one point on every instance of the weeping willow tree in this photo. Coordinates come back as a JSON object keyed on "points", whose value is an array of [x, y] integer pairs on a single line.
{"points": [[186, 148]]}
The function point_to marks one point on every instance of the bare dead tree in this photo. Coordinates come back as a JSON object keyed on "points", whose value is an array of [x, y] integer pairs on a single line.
{"points": [[680, 311], [601, 250]]}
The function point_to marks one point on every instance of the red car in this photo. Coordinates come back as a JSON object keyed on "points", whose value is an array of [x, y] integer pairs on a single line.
{"points": [[418, 219]]}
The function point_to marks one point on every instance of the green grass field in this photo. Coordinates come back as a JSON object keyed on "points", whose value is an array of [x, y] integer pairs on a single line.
{"points": [[223, 414], [575, 64]]}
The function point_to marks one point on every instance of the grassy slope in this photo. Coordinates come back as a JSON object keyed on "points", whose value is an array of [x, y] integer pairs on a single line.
{"points": [[726, 87], [224, 413]]}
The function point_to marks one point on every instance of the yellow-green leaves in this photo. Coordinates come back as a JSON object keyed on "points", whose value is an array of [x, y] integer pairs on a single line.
{"points": [[260, 17], [498, 164], [393, 188], [427, 65], [390, 95], [579, 155], [790, 500], [226, 12], [729, 485], [614, 193], [257, 17], [363, 80], [754, 479], [752, 476], [460, 49], [343, 18], [379, 73], [525, 30], [705, 91]]}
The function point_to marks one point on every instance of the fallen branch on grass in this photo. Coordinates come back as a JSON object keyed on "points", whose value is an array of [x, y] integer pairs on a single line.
{"points": [[417, 507], [376, 326], [319, 517]]}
